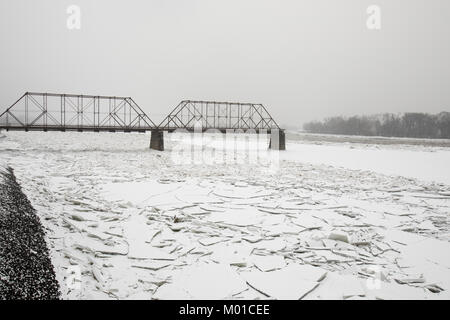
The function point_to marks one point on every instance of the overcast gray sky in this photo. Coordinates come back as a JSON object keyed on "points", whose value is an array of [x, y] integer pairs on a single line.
{"points": [[304, 60]]}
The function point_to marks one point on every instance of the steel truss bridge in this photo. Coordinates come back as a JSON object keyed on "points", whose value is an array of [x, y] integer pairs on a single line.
{"points": [[71, 112]]}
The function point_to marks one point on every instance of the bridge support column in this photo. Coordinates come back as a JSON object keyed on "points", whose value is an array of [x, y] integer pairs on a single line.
{"points": [[277, 140], [157, 140]]}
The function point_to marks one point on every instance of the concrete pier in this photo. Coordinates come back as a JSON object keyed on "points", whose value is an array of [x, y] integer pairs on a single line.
{"points": [[157, 140], [277, 140]]}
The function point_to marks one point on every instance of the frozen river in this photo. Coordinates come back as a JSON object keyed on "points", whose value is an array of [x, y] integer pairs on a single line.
{"points": [[336, 221]]}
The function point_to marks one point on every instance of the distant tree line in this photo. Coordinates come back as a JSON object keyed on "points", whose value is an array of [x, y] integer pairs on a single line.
{"points": [[411, 125]]}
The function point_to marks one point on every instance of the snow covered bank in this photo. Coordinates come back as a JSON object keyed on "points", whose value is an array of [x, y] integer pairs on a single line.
{"points": [[26, 271], [427, 165]]}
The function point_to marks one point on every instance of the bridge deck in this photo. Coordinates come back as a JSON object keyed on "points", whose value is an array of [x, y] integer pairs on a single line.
{"points": [[124, 129]]}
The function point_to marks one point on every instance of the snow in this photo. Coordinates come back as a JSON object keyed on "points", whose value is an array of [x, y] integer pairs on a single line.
{"points": [[290, 283], [415, 162], [203, 282], [138, 223]]}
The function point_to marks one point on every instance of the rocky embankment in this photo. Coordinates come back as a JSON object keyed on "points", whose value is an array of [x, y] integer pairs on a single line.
{"points": [[26, 271]]}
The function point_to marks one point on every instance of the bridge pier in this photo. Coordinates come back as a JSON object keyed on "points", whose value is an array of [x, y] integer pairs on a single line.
{"points": [[277, 140], [157, 140]]}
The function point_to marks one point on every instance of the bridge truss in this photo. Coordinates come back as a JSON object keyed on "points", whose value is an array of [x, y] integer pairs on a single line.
{"points": [[189, 114], [71, 112], [61, 112]]}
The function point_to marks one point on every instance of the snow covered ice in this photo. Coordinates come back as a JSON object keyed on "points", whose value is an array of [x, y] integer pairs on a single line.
{"points": [[331, 221]]}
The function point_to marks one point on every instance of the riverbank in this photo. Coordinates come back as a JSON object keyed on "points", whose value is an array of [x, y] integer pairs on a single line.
{"points": [[366, 140], [26, 271]]}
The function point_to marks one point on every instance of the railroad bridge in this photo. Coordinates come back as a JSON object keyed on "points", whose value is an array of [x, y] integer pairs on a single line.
{"points": [[73, 112]]}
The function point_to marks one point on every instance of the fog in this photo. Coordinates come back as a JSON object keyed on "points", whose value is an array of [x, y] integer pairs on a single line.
{"points": [[304, 60]]}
